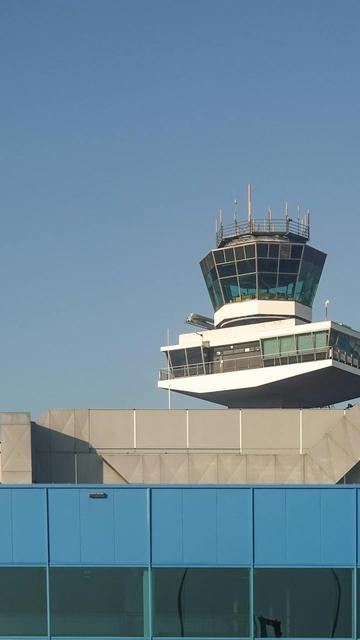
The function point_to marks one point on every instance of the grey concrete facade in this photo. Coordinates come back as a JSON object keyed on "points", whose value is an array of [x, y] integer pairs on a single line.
{"points": [[179, 446]]}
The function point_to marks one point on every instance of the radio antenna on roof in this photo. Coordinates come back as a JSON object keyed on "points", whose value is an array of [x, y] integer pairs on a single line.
{"points": [[249, 202]]}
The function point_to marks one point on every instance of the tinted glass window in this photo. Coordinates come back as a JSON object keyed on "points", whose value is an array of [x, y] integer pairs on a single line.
{"points": [[262, 250], [303, 603], [246, 266], [23, 601], [226, 270], [202, 603], [219, 256], [248, 286], [250, 250], [267, 286], [239, 253], [267, 264], [296, 250], [97, 601], [273, 250], [285, 250], [231, 291], [289, 266], [286, 285], [229, 255]]}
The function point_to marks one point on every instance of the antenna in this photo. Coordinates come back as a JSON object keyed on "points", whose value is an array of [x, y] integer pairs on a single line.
{"points": [[221, 216], [327, 302], [249, 202], [286, 209], [298, 213], [235, 210]]}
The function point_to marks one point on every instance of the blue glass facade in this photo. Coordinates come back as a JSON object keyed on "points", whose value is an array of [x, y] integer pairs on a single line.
{"points": [[184, 561]]}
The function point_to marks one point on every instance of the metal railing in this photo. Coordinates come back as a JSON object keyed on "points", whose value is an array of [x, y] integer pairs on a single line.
{"points": [[258, 361], [282, 226]]}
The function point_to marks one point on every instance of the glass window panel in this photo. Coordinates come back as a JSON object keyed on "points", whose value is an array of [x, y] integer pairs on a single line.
{"points": [[262, 250], [305, 342], [268, 264], [231, 291], [201, 603], [320, 339], [97, 601], [229, 255], [248, 287], [23, 601], [287, 344], [210, 260], [178, 358], [250, 250], [289, 266], [246, 266], [296, 250], [309, 276], [218, 295], [285, 250], [303, 603], [267, 286], [239, 253], [286, 286], [271, 347], [273, 250], [219, 256], [226, 270], [203, 267], [194, 355], [344, 342]]}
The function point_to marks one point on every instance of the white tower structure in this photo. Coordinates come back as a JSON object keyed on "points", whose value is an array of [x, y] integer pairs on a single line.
{"points": [[262, 348]]}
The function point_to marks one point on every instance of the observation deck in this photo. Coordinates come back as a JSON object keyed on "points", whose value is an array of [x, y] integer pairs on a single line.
{"points": [[287, 228]]}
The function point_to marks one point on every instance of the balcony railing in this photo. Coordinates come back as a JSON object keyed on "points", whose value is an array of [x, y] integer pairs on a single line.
{"points": [[282, 226], [258, 361]]}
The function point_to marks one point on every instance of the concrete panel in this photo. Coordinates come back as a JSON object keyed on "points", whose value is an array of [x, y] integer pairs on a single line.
{"points": [[332, 458], [270, 430], [151, 468], [112, 428], [62, 467], [161, 429], [129, 467], [231, 468], [89, 468], [110, 476], [174, 468], [62, 424], [16, 447], [314, 474], [16, 477], [14, 418], [317, 422], [42, 467], [82, 429], [203, 468], [289, 469], [214, 429], [260, 469]]}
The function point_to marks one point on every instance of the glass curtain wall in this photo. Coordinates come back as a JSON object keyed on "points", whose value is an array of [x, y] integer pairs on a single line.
{"points": [[263, 270]]}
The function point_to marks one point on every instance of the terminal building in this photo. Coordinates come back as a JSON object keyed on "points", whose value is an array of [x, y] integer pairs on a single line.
{"points": [[234, 522]]}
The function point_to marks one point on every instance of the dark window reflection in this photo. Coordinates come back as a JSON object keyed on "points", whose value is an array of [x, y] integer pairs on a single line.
{"points": [[201, 603], [97, 601], [23, 601], [303, 603]]}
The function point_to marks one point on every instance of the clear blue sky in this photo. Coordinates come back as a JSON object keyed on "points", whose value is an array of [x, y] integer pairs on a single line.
{"points": [[124, 126]]}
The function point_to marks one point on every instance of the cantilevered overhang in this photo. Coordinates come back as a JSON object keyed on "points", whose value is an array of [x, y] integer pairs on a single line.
{"points": [[242, 312], [307, 384]]}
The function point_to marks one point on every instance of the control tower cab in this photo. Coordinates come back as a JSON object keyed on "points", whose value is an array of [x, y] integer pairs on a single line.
{"points": [[262, 348]]}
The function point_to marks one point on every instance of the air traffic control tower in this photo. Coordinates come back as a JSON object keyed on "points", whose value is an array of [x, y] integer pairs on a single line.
{"points": [[262, 349]]}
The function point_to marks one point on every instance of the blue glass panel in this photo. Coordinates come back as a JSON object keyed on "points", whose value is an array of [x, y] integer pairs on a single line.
{"points": [[29, 525], [199, 526], [5, 526], [303, 525], [166, 509], [131, 526], [64, 526], [234, 526], [97, 528], [338, 527], [269, 526]]}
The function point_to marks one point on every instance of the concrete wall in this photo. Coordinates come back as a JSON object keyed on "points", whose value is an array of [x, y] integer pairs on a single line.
{"points": [[15, 436], [127, 446]]}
